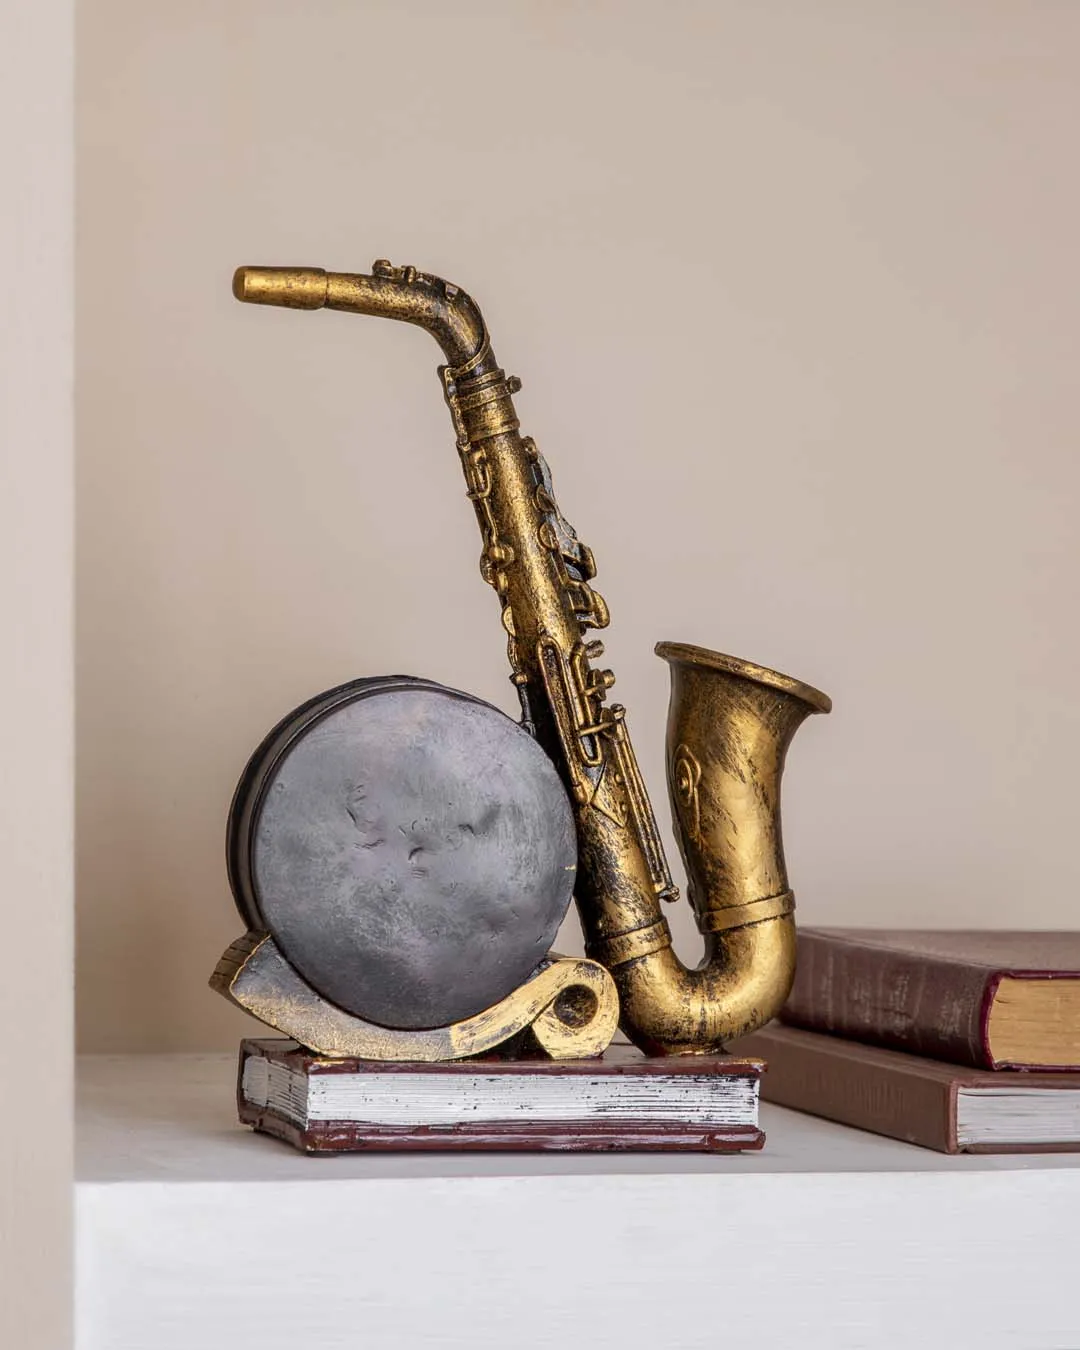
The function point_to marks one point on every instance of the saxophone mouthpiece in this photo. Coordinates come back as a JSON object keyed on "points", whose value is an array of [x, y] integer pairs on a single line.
{"points": [[289, 287]]}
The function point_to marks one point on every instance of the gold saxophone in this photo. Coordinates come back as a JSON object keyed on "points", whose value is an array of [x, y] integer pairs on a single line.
{"points": [[729, 724]]}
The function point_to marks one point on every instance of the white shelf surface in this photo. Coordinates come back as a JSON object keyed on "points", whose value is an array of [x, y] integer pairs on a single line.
{"points": [[194, 1232]]}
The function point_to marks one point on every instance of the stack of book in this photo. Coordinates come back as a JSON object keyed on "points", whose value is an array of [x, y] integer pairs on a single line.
{"points": [[959, 1041]]}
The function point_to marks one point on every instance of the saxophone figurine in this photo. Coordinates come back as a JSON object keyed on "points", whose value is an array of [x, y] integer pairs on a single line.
{"points": [[729, 725]]}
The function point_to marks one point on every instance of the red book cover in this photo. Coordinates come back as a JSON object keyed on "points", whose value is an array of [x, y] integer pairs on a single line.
{"points": [[946, 995]]}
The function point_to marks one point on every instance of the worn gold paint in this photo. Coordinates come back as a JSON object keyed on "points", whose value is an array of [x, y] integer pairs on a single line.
{"points": [[729, 727], [255, 976]]}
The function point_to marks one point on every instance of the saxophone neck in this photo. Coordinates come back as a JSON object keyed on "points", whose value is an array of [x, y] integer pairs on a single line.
{"points": [[444, 310]]}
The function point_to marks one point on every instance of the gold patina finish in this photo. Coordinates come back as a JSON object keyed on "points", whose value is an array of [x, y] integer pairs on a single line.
{"points": [[571, 1008], [729, 727]]}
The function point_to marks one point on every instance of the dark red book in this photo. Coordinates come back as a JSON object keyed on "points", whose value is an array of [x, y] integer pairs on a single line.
{"points": [[621, 1101], [994, 1000], [920, 1101]]}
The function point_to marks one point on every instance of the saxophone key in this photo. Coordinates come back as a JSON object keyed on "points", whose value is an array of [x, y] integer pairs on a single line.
{"points": [[545, 532], [589, 605], [585, 561], [599, 682]]}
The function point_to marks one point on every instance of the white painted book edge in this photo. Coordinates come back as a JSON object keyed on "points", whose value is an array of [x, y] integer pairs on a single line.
{"points": [[419, 1099], [1017, 1115]]}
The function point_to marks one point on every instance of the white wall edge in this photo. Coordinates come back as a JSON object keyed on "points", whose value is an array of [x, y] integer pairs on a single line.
{"points": [[36, 666]]}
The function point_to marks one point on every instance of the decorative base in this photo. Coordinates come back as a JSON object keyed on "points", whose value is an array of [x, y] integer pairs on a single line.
{"points": [[619, 1102], [569, 1009]]}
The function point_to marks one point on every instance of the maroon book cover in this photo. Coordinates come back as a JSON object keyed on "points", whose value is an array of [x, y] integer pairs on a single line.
{"points": [[622, 1101], [928, 993]]}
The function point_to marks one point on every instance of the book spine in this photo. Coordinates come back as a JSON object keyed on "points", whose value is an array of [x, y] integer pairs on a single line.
{"points": [[590, 1136], [854, 1090], [899, 1000]]}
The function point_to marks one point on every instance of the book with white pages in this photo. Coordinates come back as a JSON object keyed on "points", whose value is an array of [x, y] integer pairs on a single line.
{"points": [[622, 1100], [947, 1107]]}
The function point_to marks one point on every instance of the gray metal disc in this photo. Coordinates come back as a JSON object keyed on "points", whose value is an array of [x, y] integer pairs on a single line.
{"points": [[414, 855]]}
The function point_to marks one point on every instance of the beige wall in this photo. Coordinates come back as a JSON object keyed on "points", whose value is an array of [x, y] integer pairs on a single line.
{"points": [[792, 288], [36, 685]]}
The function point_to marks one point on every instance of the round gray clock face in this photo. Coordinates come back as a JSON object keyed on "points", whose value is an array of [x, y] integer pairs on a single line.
{"points": [[414, 855]]}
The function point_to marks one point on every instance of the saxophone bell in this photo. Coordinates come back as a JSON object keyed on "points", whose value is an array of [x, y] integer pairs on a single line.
{"points": [[730, 723]]}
